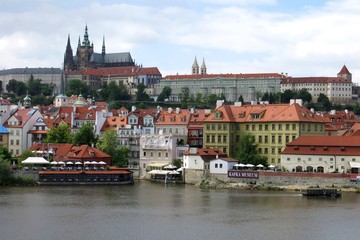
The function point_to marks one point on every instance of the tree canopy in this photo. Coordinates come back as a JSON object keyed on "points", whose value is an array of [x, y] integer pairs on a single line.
{"points": [[165, 94], [108, 144], [85, 135], [59, 134], [247, 152], [76, 87], [141, 95]]}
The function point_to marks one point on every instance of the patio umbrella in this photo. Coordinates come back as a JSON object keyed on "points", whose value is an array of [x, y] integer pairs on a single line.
{"points": [[102, 163], [61, 163], [78, 163], [271, 166], [260, 166], [69, 163], [170, 166], [87, 162], [94, 162], [174, 172], [249, 165], [54, 163]]}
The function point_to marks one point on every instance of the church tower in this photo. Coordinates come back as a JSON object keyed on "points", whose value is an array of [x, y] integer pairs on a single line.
{"points": [[195, 67], [84, 51], [345, 74], [203, 67], [103, 47], [68, 58]]}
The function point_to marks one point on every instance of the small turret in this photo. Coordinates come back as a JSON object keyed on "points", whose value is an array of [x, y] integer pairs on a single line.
{"points": [[203, 67], [195, 67]]}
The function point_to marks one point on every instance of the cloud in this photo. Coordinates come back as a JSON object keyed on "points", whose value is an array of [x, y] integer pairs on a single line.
{"points": [[233, 36]]}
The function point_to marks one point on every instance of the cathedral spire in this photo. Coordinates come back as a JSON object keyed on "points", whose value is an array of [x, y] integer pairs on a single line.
{"points": [[203, 67], [86, 42], [195, 67], [68, 58], [103, 46], [79, 42]]}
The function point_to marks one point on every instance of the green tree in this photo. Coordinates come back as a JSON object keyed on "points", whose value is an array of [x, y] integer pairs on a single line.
{"points": [[287, 95], [241, 99], [184, 96], [34, 86], [17, 87], [211, 99], [324, 102], [247, 152], [141, 95], [304, 95], [46, 89], [199, 98], [85, 135], [5, 153], [108, 144], [5, 172], [76, 87], [165, 94], [59, 134]]}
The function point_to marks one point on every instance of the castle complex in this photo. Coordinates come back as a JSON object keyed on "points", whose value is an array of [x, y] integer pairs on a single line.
{"points": [[86, 58]]}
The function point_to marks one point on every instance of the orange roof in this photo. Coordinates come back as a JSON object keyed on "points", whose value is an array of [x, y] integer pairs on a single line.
{"points": [[228, 75], [173, 118], [265, 113], [324, 145], [22, 115], [353, 131], [197, 118], [113, 123]]}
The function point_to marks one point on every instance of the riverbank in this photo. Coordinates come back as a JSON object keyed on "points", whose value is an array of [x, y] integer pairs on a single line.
{"points": [[215, 183]]}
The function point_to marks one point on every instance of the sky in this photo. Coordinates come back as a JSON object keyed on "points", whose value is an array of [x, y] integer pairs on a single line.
{"points": [[303, 38]]}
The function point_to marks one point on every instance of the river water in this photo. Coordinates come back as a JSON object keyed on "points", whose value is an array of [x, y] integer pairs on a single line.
{"points": [[148, 210]]}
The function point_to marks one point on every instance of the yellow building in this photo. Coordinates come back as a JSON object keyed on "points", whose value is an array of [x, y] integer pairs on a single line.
{"points": [[272, 125]]}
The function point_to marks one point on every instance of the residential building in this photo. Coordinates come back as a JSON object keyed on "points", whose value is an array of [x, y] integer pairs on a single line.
{"points": [[321, 154], [4, 137], [19, 124], [338, 122], [38, 131], [196, 127], [174, 123], [199, 158], [272, 125], [156, 151], [338, 89]]}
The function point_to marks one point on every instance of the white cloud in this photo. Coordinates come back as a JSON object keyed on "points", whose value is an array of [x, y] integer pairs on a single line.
{"points": [[233, 36]]}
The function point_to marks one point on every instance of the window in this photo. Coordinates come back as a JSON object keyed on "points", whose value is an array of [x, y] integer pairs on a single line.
{"points": [[287, 126], [266, 127], [287, 139], [144, 154], [272, 126], [247, 127], [17, 142], [224, 138], [219, 138], [294, 127], [216, 165], [272, 139], [213, 138], [253, 127], [266, 139], [280, 139], [225, 126], [166, 154], [288, 159], [260, 127], [237, 138], [159, 154], [265, 150], [260, 139], [220, 165], [280, 126]]}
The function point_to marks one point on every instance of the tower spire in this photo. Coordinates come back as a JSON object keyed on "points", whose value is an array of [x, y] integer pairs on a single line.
{"points": [[195, 67], [103, 46], [86, 42], [203, 67]]}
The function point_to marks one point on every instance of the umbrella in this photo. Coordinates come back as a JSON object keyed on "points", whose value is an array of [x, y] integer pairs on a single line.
{"points": [[271, 166], [239, 165], [179, 169], [54, 163], [78, 163], [174, 172], [94, 162], [69, 163], [102, 163], [259, 165], [249, 165], [170, 167], [87, 162], [61, 162]]}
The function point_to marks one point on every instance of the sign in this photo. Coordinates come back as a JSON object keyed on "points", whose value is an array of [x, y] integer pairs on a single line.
{"points": [[243, 174], [355, 178]]}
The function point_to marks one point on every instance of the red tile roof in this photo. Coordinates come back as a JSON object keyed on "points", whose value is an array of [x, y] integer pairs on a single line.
{"points": [[113, 123], [22, 115], [344, 70], [173, 118], [313, 80], [324, 145]]}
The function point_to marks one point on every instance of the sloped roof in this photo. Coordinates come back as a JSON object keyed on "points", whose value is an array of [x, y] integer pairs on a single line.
{"points": [[344, 70], [22, 115], [3, 130], [114, 122], [31, 71], [314, 80], [228, 75], [173, 118], [324, 145]]}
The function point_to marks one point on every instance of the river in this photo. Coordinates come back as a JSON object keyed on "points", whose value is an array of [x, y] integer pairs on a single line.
{"points": [[148, 210]]}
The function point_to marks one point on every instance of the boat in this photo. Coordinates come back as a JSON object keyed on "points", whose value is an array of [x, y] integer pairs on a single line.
{"points": [[322, 192]]}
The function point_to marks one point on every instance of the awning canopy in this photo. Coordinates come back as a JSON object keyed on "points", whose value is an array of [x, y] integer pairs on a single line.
{"points": [[157, 164], [354, 164], [35, 160]]}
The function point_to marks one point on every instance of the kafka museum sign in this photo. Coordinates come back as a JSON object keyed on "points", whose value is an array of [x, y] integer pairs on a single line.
{"points": [[243, 174]]}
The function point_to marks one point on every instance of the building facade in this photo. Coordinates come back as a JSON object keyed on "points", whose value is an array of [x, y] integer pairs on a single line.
{"points": [[338, 89]]}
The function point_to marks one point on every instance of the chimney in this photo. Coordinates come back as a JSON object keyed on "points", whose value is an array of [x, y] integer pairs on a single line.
{"points": [[169, 110], [177, 110]]}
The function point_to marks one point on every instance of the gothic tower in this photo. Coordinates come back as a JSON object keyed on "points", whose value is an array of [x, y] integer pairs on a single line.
{"points": [[84, 51], [203, 67], [68, 58], [195, 67], [103, 47]]}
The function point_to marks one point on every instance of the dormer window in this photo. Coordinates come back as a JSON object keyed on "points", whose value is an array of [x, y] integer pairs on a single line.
{"points": [[218, 115]]}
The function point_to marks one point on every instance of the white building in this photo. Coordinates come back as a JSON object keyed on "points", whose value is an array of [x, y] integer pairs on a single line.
{"points": [[321, 154], [156, 151], [199, 158], [337, 89], [222, 165]]}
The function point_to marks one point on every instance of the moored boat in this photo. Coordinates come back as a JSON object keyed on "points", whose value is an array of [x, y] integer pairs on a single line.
{"points": [[322, 192]]}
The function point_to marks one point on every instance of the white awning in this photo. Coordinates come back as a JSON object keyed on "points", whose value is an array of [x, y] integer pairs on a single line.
{"points": [[354, 164], [35, 160], [157, 164]]}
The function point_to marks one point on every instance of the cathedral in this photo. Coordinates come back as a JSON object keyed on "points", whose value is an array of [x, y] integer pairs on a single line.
{"points": [[86, 58]]}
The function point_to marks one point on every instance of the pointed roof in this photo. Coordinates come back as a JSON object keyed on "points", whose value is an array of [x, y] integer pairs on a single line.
{"points": [[103, 46], [195, 64], [203, 63], [344, 70], [3, 130], [86, 41]]}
